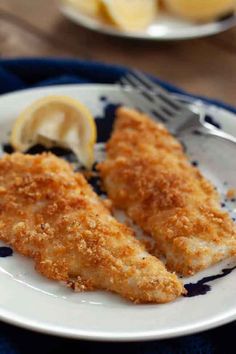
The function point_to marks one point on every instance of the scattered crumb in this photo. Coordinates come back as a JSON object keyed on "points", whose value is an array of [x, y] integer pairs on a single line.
{"points": [[89, 174], [231, 193], [128, 223], [79, 285], [149, 245], [108, 204]]}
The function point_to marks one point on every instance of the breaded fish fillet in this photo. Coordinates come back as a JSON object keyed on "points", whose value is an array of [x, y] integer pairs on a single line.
{"points": [[147, 174], [51, 214]]}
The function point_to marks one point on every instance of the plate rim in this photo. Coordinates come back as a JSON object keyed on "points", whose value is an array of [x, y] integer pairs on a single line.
{"points": [[40, 326], [121, 337], [95, 25]]}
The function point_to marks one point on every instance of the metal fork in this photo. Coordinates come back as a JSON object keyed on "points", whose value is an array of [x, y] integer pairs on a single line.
{"points": [[161, 105]]}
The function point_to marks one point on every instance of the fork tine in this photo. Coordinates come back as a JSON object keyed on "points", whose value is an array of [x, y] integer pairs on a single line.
{"points": [[157, 89], [124, 82], [146, 103], [152, 97], [154, 102]]}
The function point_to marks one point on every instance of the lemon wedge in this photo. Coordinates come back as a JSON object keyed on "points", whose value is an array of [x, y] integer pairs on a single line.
{"points": [[57, 121], [130, 15], [88, 7], [200, 10]]}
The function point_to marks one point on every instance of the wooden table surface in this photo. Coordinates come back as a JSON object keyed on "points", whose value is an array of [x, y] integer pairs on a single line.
{"points": [[202, 66]]}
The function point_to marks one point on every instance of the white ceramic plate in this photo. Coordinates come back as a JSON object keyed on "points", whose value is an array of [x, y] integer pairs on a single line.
{"points": [[166, 27], [30, 300]]}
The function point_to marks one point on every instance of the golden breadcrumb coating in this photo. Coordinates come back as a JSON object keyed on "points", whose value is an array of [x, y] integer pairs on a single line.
{"points": [[51, 214], [147, 174]]}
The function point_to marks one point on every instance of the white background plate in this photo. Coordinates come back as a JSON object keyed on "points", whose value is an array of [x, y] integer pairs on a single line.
{"points": [[166, 27], [30, 300]]}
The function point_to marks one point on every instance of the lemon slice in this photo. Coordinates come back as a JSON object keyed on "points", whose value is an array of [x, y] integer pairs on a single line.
{"points": [[200, 10], [130, 15], [57, 121], [88, 7]]}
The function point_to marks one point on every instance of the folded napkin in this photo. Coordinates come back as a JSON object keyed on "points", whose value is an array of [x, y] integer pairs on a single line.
{"points": [[20, 74]]}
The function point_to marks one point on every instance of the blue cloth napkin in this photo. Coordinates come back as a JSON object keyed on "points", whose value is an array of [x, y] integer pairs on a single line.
{"points": [[17, 74]]}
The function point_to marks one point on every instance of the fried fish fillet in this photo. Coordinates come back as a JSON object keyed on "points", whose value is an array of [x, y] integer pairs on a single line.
{"points": [[147, 174], [50, 213]]}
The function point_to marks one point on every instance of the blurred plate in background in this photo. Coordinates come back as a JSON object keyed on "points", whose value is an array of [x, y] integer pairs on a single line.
{"points": [[166, 27]]}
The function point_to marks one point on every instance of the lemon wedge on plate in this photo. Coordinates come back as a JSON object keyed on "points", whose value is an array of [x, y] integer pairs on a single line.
{"points": [[57, 121], [130, 15], [200, 10], [88, 7]]}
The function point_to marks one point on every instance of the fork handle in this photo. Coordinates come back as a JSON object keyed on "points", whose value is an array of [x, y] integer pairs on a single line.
{"points": [[208, 129]]}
